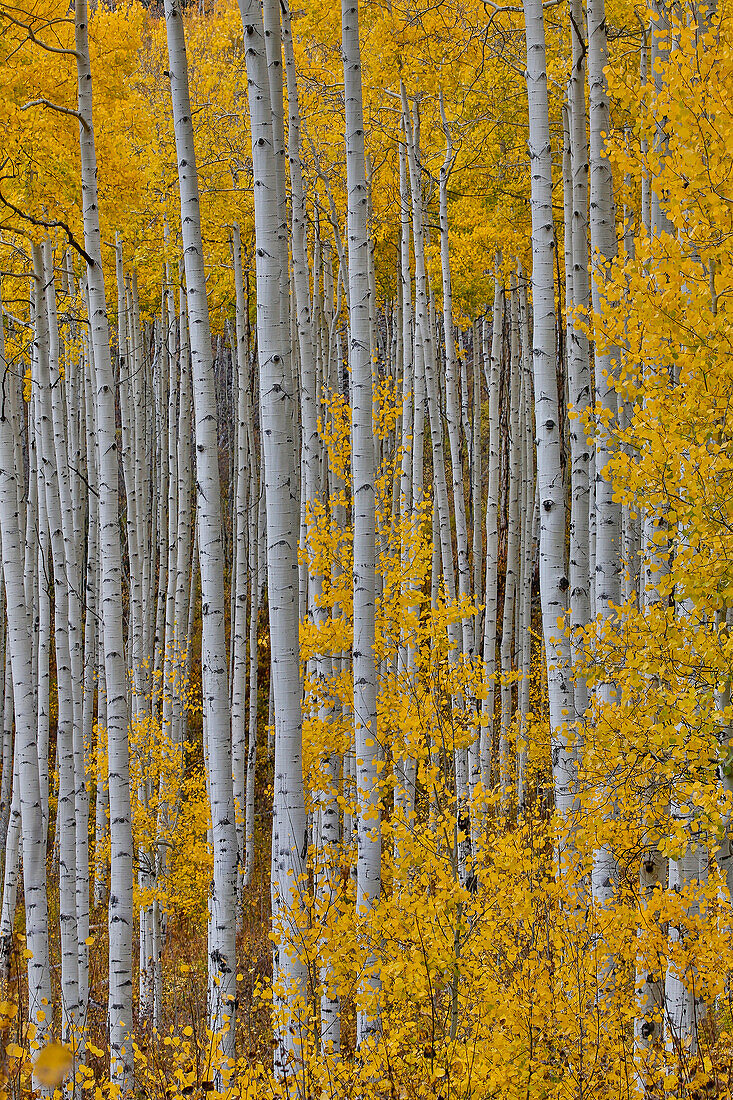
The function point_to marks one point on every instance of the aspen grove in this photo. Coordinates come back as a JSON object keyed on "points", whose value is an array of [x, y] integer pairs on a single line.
{"points": [[366, 526]]}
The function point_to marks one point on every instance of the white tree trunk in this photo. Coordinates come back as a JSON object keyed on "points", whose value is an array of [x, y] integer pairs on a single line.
{"points": [[579, 379], [451, 404], [26, 754], [553, 576], [491, 598], [282, 506], [368, 881], [54, 488], [222, 932], [120, 899], [242, 527], [511, 576]]}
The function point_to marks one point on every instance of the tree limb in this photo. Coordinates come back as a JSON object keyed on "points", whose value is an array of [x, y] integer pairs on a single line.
{"points": [[55, 107], [34, 39], [45, 223]]}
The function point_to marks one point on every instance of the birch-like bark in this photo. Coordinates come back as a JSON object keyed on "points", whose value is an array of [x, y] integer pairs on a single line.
{"points": [[6, 786], [257, 567], [277, 401], [222, 932], [607, 574], [405, 762], [101, 805], [53, 492], [26, 754], [603, 251], [493, 381], [579, 379], [553, 575], [120, 898], [12, 862], [362, 480], [452, 412], [528, 541], [511, 576], [476, 517], [241, 521], [426, 330], [185, 571]]}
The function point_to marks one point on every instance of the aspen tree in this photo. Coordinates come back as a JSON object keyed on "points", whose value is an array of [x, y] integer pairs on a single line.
{"points": [[282, 525], [12, 863], [328, 808], [66, 433], [101, 803], [242, 511], [553, 577], [493, 358], [406, 765], [426, 328], [222, 967], [257, 568], [186, 522], [120, 897], [459, 503], [684, 1006], [579, 380], [54, 488], [6, 785], [476, 511], [511, 576], [603, 250], [527, 539], [362, 479], [607, 548], [25, 757]]}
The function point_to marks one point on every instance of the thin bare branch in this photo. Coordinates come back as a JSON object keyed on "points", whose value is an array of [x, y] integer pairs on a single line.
{"points": [[55, 107], [37, 41]]}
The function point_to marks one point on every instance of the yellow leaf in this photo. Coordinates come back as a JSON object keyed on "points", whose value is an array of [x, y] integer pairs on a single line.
{"points": [[52, 1064]]}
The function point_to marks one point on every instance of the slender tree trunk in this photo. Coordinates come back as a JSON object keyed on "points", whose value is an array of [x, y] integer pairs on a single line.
{"points": [[553, 577], [492, 535], [277, 401], [26, 754], [362, 479], [120, 898], [222, 932]]}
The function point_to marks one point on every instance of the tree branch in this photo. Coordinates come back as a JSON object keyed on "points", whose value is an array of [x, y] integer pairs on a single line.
{"points": [[45, 223], [34, 39], [55, 107]]}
